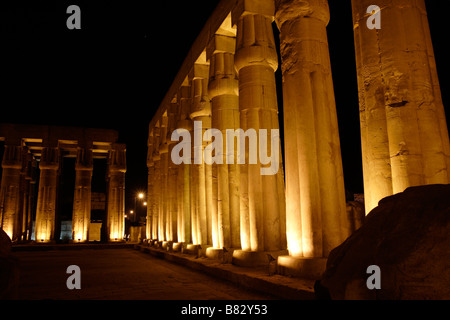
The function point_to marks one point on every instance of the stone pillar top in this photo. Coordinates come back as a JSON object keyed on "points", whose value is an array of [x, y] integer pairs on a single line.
{"points": [[287, 10], [49, 158], [201, 104], [172, 111], [84, 159], [12, 157], [243, 7], [220, 43], [150, 162], [117, 158], [255, 42], [163, 146]]}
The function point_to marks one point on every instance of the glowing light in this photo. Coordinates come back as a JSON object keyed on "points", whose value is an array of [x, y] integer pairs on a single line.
{"points": [[141, 195]]}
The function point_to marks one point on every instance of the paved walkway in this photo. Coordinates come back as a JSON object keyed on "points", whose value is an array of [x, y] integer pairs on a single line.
{"points": [[119, 274]]}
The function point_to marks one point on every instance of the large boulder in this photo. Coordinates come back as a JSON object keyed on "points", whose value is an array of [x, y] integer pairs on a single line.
{"points": [[9, 269], [408, 237]]}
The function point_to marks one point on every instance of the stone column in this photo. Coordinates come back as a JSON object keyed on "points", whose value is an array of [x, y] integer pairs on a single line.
{"points": [[157, 211], [27, 195], [164, 227], [10, 202], [116, 192], [315, 193], [201, 190], [172, 174], [263, 224], [150, 187], [81, 217], [47, 191], [224, 93], [184, 170], [404, 133]]}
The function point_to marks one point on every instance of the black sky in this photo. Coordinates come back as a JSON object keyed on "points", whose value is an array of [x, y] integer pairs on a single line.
{"points": [[114, 72]]}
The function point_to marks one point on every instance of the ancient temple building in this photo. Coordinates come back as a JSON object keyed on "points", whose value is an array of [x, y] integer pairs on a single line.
{"points": [[227, 83], [33, 149]]}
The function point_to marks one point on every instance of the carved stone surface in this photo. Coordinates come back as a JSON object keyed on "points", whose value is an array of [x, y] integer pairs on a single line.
{"points": [[408, 237], [404, 134]]}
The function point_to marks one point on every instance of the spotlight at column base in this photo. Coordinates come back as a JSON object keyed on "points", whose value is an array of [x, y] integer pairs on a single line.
{"points": [[302, 267]]}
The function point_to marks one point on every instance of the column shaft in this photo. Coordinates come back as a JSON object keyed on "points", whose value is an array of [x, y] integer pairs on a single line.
{"points": [[315, 193], [10, 202], [224, 89], [403, 128], [150, 186], [184, 184], [81, 217], [201, 191], [172, 177], [47, 191], [116, 193], [262, 196]]}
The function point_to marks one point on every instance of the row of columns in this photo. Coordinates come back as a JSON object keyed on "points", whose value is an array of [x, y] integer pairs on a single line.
{"points": [[404, 134], [16, 194]]}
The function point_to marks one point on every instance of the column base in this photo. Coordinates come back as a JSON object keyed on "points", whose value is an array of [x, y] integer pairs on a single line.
{"points": [[78, 241], [45, 241], [255, 258], [167, 245], [116, 241], [177, 246], [196, 249], [220, 254], [301, 267]]}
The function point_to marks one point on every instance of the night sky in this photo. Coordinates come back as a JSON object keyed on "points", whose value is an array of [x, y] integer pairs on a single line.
{"points": [[114, 72]]}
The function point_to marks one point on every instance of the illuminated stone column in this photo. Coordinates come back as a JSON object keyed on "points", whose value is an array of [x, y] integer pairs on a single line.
{"points": [[81, 217], [263, 223], [150, 187], [201, 191], [223, 90], [184, 170], [10, 191], [27, 195], [404, 133], [172, 177], [47, 190], [157, 211], [164, 221], [116, 192], [315, 193]]}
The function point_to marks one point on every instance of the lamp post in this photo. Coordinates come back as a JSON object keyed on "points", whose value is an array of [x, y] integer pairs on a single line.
{"points": [[140, 195]]}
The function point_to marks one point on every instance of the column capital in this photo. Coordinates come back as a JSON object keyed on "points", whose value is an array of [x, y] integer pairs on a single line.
{"points": [[172, 110], [117, 158], [244, 7], [288, 10], [12, 157], [255, 42], [49, 158], [184, 122], [84, 159], [220, 44], [150, 162], [201, 104]]}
